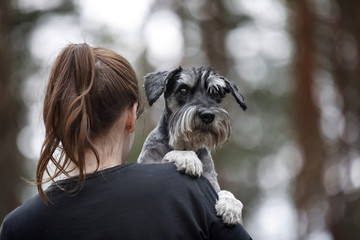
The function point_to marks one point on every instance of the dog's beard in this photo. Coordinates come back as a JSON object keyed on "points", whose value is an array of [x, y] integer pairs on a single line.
{"points": [[188, 132]]}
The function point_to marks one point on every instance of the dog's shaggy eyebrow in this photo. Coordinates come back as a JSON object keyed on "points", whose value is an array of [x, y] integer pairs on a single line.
{"points": [[215, 81], [188, 79]]}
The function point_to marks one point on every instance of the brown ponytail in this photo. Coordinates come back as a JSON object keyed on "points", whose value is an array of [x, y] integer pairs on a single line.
{"points": [[88, 90]]}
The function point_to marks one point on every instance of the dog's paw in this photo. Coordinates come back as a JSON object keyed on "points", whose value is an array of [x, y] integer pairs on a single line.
{"points": [[185, 161], [229, 208]]}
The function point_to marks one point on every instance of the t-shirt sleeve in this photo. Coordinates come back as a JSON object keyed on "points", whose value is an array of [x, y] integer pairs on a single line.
{"points": [[217, 228]]}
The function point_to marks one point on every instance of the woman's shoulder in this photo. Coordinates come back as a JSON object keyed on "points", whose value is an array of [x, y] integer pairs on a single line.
{"points": [[163, 172], [23, 218], [166, 178]]}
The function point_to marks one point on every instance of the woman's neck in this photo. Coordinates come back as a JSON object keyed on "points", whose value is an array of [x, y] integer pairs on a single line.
{"points": [[112, 150]]}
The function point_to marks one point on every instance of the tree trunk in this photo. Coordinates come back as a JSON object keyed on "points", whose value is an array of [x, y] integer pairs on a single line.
{"points": [[309, 188], [9, 155], [214, 30], [344, 207]]}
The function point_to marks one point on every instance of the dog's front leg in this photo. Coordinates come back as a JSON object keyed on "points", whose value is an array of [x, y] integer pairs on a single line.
{"points": [[208, 167], [227, 207], [185, 161]]}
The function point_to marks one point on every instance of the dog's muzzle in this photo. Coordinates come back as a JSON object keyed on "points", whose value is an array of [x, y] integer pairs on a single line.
{"points": [[207, 116], [192, 128]]}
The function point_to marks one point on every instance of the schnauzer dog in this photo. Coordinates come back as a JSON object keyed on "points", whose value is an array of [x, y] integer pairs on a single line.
{"points": [[192, 122]]}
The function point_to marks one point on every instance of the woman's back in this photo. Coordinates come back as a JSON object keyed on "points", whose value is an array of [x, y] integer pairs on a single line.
{"points": [[130, 201]]}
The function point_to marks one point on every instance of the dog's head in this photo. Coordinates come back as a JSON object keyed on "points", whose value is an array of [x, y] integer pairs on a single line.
{"points": [[192, 98]]}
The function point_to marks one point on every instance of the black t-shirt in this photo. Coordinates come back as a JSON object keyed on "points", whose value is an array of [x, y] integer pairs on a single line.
{"points": [[130, 201]]}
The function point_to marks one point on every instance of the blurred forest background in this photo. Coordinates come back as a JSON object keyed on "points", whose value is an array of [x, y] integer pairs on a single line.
{"points": [[293, 158]]}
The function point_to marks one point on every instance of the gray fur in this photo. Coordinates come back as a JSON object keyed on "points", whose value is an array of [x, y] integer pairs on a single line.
{"points": [[195, 121]]}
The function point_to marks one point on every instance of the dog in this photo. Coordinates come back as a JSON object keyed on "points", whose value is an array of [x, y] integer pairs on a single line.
{"points": [[192, 123]]}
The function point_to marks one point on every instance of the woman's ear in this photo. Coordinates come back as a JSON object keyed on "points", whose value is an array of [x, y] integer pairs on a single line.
{"points": [[131, 118]]}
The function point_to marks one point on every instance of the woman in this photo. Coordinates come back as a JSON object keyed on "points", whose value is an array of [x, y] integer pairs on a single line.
{"points": [[90, 108]]}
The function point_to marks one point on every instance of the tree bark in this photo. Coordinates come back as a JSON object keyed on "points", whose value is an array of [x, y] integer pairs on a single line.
{"points": [[9, 155], [214, 30], [343, 222], [309, 188]]}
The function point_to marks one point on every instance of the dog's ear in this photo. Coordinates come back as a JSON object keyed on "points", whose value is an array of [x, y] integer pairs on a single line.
{"points": [[155, 83], [231, 87]]}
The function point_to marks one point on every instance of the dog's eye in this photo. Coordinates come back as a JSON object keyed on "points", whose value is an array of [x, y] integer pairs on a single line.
{"points": [[215, 94], [183, 91]]}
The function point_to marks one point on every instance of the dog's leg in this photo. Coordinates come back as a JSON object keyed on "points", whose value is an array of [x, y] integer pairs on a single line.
{"points": [[227, 207], [185, 161], [208, 167]]}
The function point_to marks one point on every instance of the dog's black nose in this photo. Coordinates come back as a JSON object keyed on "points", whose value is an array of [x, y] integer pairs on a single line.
{"points": [[207, 116]]}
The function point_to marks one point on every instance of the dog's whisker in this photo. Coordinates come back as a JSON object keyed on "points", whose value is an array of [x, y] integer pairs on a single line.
{"points": [[188, 131], [187, 118]]}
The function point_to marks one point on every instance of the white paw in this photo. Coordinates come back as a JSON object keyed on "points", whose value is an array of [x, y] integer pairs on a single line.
{"points": [[229, 208], [185, 161]]}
